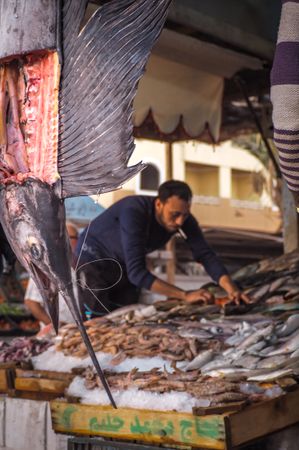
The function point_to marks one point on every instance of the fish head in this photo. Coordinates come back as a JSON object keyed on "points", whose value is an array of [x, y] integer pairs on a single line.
{"points": [[33, 217]]}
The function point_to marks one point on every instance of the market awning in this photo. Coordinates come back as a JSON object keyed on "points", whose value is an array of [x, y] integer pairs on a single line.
{"points": [[188, 90], [183, 85]]}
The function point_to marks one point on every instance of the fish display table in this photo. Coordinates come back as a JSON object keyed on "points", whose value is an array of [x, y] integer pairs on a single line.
{"points": [[217, 376], [216, 431]]}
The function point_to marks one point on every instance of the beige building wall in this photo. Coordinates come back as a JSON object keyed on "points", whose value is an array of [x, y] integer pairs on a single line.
{"points": [[148, 152], [222, 180], [203, 179]]}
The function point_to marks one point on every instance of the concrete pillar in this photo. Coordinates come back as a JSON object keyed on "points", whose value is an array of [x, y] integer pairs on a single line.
{"points": [[170, 246], [178, 158], [290, 221], [169, 160], [170, 266], [225, 182]]}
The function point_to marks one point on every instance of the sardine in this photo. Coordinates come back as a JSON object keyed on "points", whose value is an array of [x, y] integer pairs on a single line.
{"points": [[215, 364], [256, 336], [267, 350], [288, 347], [256, 348], [234, 340], [271, 362], [260, 292], [227, 371], [123, 311], [200, 360], [247, 361], [272, 376], [292, 292], [276, 284], [295, 354], [194, 333], [289, 327]]}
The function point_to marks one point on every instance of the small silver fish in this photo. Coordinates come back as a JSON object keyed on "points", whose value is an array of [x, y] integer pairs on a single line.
{"points": [[123, 311], [226, 371], [255, 348], [247, 361], [200, 360], [290, 363], [215, 364], [276, 284], [228, 352], [257, 336], [236, 354], [235, 339], [288, 347], [194, 333], [272, 362], [295, 354], [289, 327], [272, 376], [258, 293], [292, 291]]}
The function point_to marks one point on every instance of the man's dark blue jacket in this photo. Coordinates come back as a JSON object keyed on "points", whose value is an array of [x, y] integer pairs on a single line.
{"points": [[128, 230]]}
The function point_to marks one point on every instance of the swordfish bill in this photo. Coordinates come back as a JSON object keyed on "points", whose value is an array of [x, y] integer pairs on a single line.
{"points": [[67, 84]]}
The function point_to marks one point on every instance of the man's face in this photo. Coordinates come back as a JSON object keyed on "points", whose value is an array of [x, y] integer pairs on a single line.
{"points": [[173, 213]]}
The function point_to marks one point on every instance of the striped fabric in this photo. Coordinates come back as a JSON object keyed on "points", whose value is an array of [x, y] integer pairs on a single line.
{"points": [[285, 93]]}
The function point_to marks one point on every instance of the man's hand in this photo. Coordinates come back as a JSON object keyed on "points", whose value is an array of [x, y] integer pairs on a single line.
{"points": [[199, 295], [233, 293], [237, 296]]}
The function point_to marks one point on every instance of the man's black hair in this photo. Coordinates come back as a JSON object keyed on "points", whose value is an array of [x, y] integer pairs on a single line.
{"points": [[174, 187]]}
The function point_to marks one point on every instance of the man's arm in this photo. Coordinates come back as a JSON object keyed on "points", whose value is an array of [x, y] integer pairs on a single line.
{"points": [[203, 253], [232, 290], [34, 303], [169, 290], [37, 311]]}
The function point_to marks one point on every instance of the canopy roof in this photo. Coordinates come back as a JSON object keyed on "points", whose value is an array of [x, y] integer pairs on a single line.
{"points": [[189, 89]]}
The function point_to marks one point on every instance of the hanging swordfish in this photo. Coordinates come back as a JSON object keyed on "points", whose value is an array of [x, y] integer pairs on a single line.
{"points": [[67, 84]]}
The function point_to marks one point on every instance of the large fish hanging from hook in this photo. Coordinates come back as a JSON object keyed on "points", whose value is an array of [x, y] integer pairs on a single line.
{"points": [[66, 94]]}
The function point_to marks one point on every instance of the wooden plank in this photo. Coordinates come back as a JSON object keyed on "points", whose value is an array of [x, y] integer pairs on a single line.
{"points": [[32, 395], [8, 365], [162, 427], [7, 377], [3, 381], [41, 385], [263, 418], [47, 374], [228, 408]]}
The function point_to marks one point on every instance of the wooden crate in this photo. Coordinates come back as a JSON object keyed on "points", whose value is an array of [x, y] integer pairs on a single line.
{"points": [[161, 427], [216, 431], [40, 384], [7, 376]]}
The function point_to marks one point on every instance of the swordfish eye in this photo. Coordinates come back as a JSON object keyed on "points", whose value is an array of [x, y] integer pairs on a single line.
{"points": [[35, 248], [35, 251]]}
